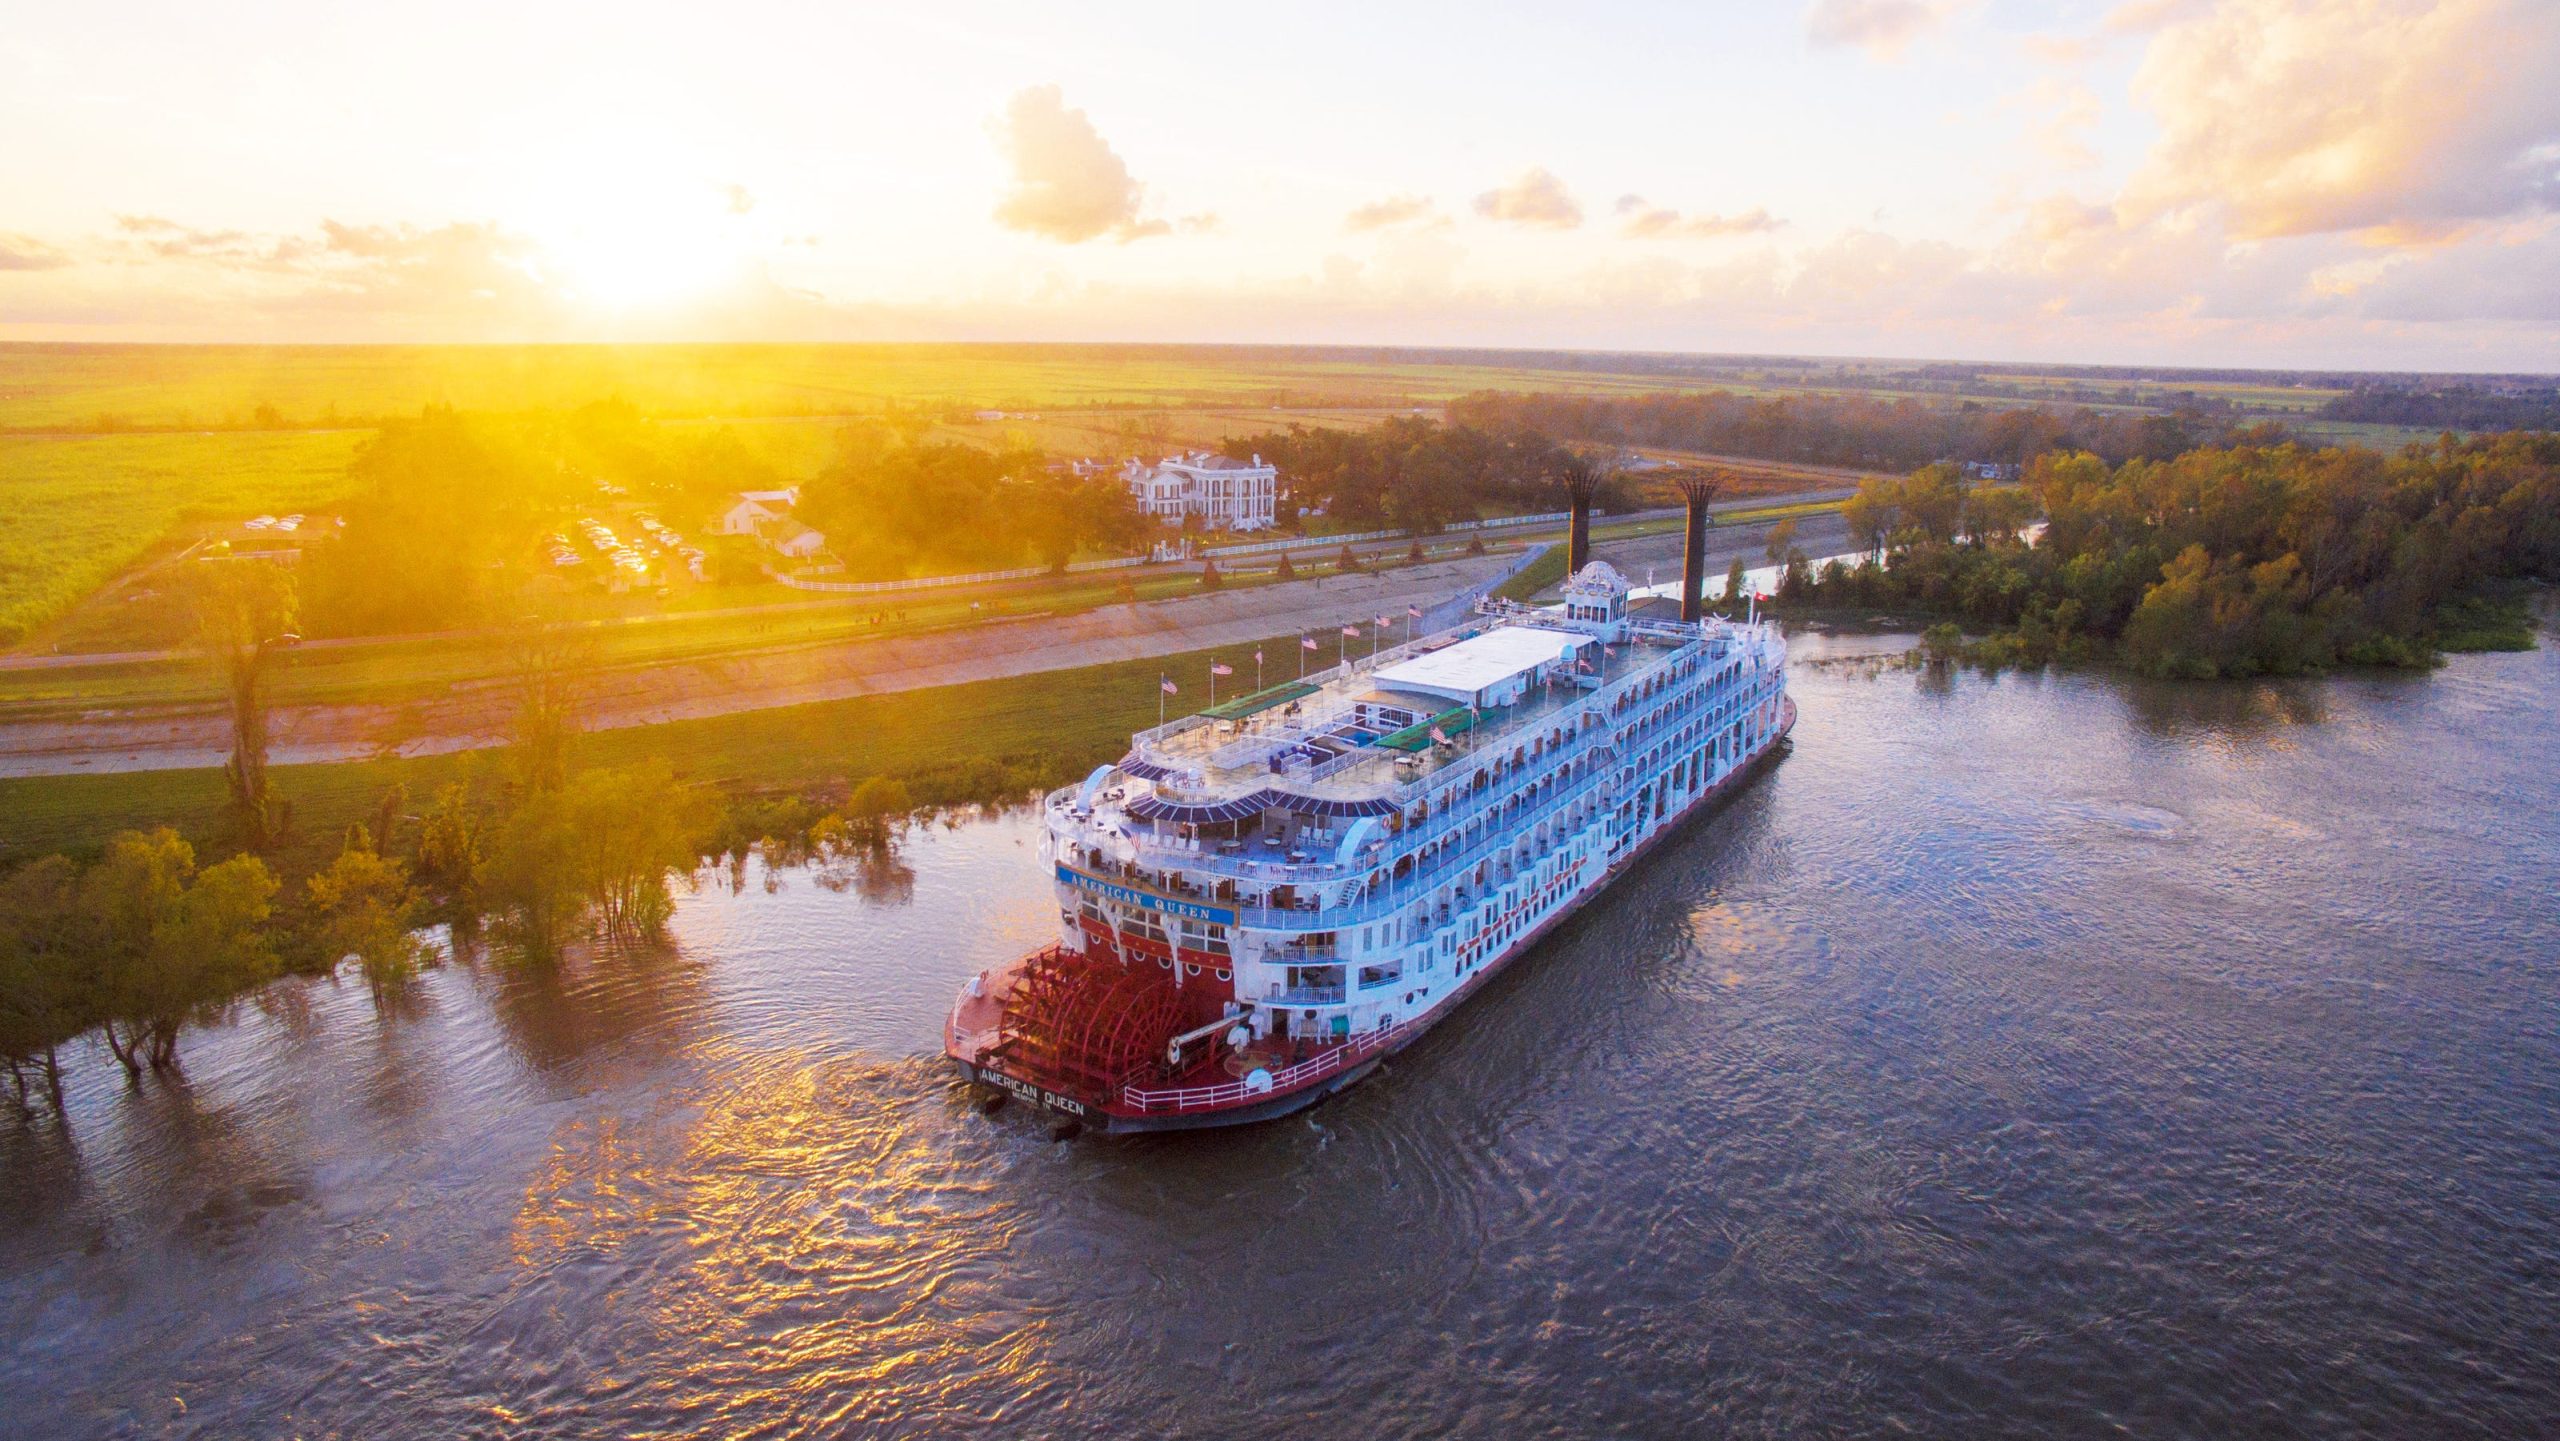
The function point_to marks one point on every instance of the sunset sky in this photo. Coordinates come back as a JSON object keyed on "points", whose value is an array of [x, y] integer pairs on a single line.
{"points": [[2333, 183]]}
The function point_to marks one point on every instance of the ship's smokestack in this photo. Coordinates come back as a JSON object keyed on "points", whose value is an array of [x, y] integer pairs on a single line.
{"points": [[1581, 482], [1698, 488]]}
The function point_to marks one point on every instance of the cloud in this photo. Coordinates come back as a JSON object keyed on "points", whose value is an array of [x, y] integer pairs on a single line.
{"points": [[1642, 221], [25, 252], [2399, 120], [1537, 200], [1393, 211], [1068, 183], [1882, 28]]}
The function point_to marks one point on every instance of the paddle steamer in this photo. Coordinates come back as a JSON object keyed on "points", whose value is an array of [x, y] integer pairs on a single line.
{"points": [[1262, 901]]}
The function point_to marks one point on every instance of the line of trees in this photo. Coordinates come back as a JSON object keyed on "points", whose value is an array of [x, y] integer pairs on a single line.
{"points": [[892, 507], [2221, 562], [148, 939], [1415, 474], [1899, 434], [2452, 407]]}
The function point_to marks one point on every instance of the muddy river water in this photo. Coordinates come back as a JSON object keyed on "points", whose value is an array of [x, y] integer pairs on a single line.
{"points": [[2057, 1055]]}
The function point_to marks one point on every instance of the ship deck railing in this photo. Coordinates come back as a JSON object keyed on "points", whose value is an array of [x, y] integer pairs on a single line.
{"points": [[1178, 746], [1334, 1058], [1394, 897]]}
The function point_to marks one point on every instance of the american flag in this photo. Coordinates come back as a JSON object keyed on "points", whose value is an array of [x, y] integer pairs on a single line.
{"points": [[1169, 687], [1216, 668], [1257, 655], [1439, 736], [1414, 610], [1351, 630], [1382, 622], [1306, 642]]}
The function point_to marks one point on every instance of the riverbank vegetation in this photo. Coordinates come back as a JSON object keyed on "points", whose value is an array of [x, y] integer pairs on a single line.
{"points": [[530, 866], [2221, 562]]}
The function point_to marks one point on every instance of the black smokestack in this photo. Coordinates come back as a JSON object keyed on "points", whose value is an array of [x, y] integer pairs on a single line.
{"points": [[1699, 489], [1581, 482]]}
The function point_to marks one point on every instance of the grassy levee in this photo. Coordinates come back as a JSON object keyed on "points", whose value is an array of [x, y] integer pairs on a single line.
{"points": [[950, 744]]}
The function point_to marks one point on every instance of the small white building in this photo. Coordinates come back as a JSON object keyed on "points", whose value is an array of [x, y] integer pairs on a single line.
{"points": [[790, 537], [753, 509], [1226, 494]]}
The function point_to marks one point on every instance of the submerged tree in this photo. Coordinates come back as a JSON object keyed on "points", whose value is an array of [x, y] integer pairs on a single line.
{"points": [[171, 944], [367, 912], [41, 965]]}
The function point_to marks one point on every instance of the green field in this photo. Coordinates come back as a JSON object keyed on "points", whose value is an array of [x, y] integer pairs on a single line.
{"points": [[94, 387], [81, 508]]}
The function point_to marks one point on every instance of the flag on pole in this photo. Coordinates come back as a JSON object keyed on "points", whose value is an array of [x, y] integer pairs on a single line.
{"points": [[1382, 622], [1257, 655], [1439, 736], [1215, 668], [1169, 687], [1351, 630], [1306, 642], [1413, 610]]}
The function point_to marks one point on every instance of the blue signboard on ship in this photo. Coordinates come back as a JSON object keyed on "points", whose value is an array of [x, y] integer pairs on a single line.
{"points": [[1149, 900]]}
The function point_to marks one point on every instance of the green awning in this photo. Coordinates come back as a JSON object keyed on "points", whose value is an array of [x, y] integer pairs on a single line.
{"points": [[1418, 737], [1261, 700]]}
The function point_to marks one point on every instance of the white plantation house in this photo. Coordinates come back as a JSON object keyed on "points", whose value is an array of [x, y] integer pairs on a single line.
{"points": [[753, 509], [1226, 494]]}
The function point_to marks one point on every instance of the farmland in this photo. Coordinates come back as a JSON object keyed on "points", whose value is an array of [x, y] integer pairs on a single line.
{"points": [[110, 454], [81, 508]]}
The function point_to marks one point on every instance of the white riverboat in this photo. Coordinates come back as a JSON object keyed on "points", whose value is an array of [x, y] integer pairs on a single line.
{"points": [[1261, 901]]}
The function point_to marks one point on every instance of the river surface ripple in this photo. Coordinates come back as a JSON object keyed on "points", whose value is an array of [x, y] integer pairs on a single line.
{"points": [[2037, 1056]]}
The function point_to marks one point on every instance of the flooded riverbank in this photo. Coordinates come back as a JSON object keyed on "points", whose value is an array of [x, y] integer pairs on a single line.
{"points": [[2046, 1054]]}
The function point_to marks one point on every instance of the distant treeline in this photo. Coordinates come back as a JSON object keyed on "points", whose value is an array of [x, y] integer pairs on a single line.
{"points": [[2458, 407], [2221, 562], [1848, 430], [1413, 474]]}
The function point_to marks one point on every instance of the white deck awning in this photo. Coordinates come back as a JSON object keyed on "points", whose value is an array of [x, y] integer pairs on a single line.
{"points": [[1464, 671]]}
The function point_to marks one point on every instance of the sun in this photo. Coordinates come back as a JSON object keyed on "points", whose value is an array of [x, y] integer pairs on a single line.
{"points": [[621, 237]]}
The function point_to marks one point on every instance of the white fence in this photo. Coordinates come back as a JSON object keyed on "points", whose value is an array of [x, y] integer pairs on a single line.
{"points": [[1319, 542]]}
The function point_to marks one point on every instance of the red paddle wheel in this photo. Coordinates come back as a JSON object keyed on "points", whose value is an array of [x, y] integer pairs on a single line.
{"points": [[1086, 1025]]}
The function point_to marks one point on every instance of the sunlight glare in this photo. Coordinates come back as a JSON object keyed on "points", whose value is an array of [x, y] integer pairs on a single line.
{"points": [[623, 236]]}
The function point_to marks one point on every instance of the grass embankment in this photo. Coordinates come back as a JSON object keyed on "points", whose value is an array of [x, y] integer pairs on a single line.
{"points": [[951, 744], [400, 670]]}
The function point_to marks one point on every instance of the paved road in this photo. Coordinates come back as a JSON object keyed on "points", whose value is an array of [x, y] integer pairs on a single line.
{"points": [[474, 716]]}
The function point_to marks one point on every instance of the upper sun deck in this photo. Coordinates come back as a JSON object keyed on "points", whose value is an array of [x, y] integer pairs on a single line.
{"points": [[1358, 735]]}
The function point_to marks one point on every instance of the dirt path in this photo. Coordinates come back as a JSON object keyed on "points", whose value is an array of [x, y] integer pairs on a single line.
{"points": [[475, 714]]}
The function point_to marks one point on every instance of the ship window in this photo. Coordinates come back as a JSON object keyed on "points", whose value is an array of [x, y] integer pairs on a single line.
{"points": [[1225, 975]]}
